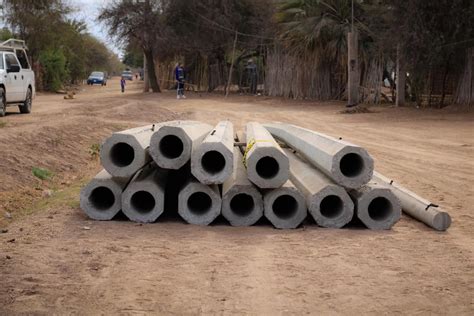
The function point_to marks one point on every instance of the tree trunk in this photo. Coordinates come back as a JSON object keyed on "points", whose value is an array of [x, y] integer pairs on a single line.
{"points": [[445, 77], [150, 63]]}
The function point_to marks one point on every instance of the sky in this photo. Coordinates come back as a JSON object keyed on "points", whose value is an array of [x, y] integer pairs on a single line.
{"points": [[88, 10]]}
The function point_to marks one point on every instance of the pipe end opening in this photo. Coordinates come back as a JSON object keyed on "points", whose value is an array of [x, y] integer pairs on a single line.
{"points": [[351, 165], [331, 206], [122, 154], [380, 209], [171, 146], [285, 206], [102, 198], [267, 167]]}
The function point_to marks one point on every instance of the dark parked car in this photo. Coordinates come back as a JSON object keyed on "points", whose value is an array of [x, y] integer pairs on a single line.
{"points": [[127, 75], [97, 77]]}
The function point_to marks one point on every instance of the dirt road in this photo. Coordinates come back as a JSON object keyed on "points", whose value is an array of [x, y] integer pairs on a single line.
{"points": [[54, 260]]}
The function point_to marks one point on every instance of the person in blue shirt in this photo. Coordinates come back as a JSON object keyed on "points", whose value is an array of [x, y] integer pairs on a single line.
{"points": [[180, 77]]}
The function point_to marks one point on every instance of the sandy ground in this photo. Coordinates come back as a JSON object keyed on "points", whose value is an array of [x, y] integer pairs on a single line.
{"points": [[51, 263]]}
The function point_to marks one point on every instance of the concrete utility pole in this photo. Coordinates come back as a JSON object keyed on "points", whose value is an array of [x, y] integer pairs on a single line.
{"points": [[231, 66], [146, 87], [353, 76], [401, 79]]}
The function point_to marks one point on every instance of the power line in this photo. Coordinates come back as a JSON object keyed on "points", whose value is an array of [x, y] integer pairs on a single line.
{"points": [[230, 30], [460, 42]]}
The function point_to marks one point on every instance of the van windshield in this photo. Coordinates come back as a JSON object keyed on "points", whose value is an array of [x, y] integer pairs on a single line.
{"points": [[97, 74]]}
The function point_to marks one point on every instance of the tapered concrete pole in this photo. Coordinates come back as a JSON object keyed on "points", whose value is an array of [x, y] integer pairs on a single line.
{"points": [[401, 78], [328, 203], [198, 203], [353, 77], [146, 78], [144, 198], [212, 161], [242, 203], [101, 198], [285, 207], [376, 206], [415, 206], [267, 164], [125, 152], [346, 164], [172, 144]]}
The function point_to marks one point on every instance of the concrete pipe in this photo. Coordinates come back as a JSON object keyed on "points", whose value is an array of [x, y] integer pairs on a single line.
{"points": [[376, 206], [415, 206], [328, 203], [198, 203], [143, 199], [172, 144], [101, 198], [212, 161], [267, 164], [125, 152], [347, 164], [242, 203], [285, 207]]}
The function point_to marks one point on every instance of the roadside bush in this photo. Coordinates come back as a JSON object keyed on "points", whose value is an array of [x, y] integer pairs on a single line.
{"points": [[53, 63]]}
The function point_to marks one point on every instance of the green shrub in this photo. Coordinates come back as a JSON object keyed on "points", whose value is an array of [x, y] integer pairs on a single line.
{"points": [[40, 173], [53, 63]]}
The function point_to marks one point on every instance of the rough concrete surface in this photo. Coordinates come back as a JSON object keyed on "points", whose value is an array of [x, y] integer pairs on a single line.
{"points": [[416, 206], [125, 152], [198, 203], [212, 161], [267, 165], [144, 198], [172, 144], [242, 203], [101, 197], [285, 207], [347, 164], [328, 203], [376, 206]]}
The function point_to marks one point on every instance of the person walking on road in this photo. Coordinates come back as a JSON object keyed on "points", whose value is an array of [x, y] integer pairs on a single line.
{"points": [[122, 84], [180, 77], [252, 73]]}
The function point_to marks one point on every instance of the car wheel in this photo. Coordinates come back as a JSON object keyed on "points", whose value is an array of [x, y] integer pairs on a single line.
{"points": [[25, 107], [3, 103]]}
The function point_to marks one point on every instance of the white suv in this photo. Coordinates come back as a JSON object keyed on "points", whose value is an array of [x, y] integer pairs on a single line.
{"points": [[17, 80]]}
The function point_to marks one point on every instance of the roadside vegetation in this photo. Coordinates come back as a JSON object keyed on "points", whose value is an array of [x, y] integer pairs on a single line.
{"points": [[300, 46], [61, 49]]}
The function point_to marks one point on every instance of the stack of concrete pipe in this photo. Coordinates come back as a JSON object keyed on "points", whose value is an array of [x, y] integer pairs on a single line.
{"points": [[282, 172]]}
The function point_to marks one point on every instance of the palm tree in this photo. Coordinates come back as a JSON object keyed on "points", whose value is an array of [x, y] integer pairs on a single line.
{"points": [[317, 26], [316, 31]]}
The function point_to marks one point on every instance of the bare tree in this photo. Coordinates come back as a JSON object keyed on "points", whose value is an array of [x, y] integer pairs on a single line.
{"points": [[143, 22]]}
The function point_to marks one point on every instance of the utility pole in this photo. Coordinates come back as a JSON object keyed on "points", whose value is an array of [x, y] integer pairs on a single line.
{"points": [[231, 66], [401, 79], [146, 87], [353, 77]]}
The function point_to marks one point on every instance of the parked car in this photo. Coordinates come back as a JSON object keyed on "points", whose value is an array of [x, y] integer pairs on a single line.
{"points": [[17, 80], [97, 77], [127, 75]]}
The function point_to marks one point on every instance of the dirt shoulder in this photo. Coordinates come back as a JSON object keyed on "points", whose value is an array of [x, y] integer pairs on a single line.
{"points": [[53, 259]]}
